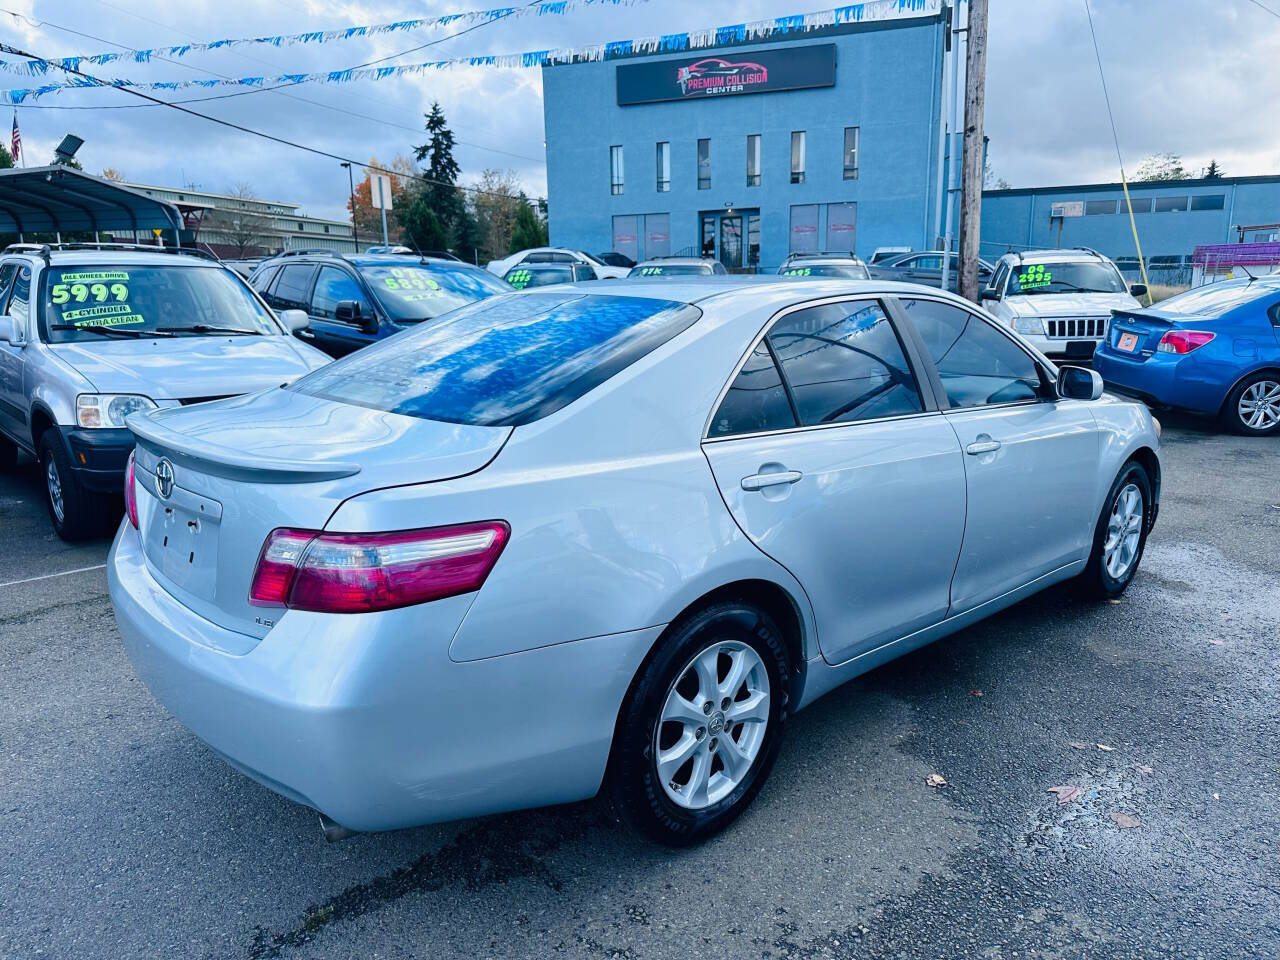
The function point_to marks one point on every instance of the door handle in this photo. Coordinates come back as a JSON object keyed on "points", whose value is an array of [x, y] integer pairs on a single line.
{"points": [[983, 444], [307, 334], [758, 481]]}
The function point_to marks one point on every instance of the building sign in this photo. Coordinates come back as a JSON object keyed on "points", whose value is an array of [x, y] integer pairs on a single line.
{"points": [[697, 78]]}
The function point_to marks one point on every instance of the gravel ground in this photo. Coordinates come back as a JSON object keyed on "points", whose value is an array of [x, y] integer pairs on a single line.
{"points": [[124, 837]]}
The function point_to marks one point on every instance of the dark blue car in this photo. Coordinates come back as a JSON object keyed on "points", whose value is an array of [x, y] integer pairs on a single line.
{"points": [[357, 299], [1214, 349]]}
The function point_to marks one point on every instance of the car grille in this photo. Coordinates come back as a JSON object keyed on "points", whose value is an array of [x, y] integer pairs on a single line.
{"points": [[187, 401], [1070, 328]]}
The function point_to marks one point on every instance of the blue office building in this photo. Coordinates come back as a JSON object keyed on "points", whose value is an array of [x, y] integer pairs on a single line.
{"points": [[1173, 217], [826, 140]]}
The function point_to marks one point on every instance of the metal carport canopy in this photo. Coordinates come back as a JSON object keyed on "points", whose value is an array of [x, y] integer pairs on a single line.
{"points": [[60, 199]]}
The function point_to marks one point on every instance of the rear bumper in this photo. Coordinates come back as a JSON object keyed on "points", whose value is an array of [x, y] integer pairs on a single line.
{"points": [[365, 718], [1160, 380], [98, 457]]}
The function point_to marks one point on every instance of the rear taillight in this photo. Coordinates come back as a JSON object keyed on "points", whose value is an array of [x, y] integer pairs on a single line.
{"points": [[360, 572], [130, 499], [1183, 341]]}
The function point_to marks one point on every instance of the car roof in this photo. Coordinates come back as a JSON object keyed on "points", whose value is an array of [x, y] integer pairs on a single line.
{"points": [[362, 259], [59, 258], [1057, 256], [727, 290]]}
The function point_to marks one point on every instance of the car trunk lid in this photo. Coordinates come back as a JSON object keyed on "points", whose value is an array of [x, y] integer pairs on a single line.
{"points": [[213, 481], [1136, 333]]}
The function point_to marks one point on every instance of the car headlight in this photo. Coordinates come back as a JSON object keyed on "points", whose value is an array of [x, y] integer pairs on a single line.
{"points": [[1031, 326], [109, 409]]}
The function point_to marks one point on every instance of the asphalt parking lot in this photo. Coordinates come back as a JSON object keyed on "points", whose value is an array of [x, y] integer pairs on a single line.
{"points": [[123, 836]]}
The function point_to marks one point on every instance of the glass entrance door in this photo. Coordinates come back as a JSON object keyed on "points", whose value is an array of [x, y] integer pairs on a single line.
{"points": [[731, 242]]}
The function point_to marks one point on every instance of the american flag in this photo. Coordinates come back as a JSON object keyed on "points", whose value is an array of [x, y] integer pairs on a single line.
{"points": [[17, 139]]}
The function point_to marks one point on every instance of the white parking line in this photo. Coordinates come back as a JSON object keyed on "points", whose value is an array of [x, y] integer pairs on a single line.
{"points": [[50, 576]]}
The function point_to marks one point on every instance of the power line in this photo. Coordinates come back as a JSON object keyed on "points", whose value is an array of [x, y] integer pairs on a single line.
{"points": [[95, 81], [273, 89], [1115, 137], [1262, 6]]}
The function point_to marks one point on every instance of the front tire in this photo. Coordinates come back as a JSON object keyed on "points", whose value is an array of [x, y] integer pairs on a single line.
{"points": [[77, 513], [1121, 534], [702, 724], [1253, 407]]}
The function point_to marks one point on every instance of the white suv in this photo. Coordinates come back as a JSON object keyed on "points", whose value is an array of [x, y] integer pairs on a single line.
{"points": [[1060, 300]]}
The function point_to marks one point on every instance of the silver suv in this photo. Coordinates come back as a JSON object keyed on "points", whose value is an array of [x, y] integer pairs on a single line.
{"points": [[91, 334], [1060, 300]]}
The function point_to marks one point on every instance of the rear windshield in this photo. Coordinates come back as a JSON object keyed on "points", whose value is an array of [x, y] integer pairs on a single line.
{"points": [[415, 291], [128, 301], [524, 277], [505, 362], [850, 271], [1214, 298], [671, 270]]}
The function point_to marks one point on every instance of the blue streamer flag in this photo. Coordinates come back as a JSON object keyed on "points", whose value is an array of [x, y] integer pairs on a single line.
{"points": [[871, 10]]}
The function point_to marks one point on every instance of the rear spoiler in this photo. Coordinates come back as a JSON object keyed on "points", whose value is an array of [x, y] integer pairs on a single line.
{"points": [[222, 461]]}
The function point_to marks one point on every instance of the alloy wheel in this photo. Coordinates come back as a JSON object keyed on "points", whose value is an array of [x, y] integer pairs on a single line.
{"points": [[1124, 531], [54, 483], [712, 724], [1259, 406]]}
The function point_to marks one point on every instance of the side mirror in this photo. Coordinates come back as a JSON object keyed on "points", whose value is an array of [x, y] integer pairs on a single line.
{"points": [[989, 293], [8, 329], [1079, 383], [349, 311], [295, 320], [1137, 289]]}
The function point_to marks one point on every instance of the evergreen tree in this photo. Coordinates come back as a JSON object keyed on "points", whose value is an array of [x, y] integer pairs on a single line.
{"points": [[1213, 171], [529, 230], [441, 196], [6, 159]]}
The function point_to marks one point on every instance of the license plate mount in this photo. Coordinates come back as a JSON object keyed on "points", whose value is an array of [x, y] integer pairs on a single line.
{"points": [[1128, 342]]}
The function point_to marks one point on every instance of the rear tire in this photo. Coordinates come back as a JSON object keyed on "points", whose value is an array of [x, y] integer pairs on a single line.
{"points": [[1253, 407], [713, 758], [1121, 534], [77, 513]]}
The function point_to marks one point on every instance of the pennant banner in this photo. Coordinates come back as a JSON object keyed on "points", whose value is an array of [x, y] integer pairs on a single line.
{"points": [[778, 27], [548, 8]]}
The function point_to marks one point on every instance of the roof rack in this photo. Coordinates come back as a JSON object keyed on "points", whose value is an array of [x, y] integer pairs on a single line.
{"points": [[44, 249], [300, 253], [1090, 250], [821, 254]]}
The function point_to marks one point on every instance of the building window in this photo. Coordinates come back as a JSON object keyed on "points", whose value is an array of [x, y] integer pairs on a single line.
{"points": [[1170, 204], [615, 170], [301, 226], [704, 164], [1140, 204], [626, 236], [1094, 208], [753, 240], [797, 156], [326, 228], [664, 166], [708, 236], [657, 235], [1210, 201], [851, 153], [753, 160]]}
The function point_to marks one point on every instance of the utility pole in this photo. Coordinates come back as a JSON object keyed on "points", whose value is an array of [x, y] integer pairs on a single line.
{"points": [[351, 187], [971, 168]]}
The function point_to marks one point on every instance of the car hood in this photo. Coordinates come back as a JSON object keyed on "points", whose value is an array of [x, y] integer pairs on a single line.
{"points": [[184, 367], [1070, 304]]}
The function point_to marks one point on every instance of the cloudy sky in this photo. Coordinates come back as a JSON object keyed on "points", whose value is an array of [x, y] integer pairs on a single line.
{"points": [[1194, 77]]}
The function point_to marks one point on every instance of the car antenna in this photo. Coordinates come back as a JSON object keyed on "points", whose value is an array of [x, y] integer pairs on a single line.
{"points": [[422, 257], [1247, 273]]}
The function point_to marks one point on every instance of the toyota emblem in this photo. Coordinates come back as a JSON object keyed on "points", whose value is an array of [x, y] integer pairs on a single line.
{"points": [[164, 478]]}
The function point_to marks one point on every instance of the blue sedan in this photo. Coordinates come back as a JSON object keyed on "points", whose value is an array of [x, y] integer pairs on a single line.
{"points": [[1213, 349]]}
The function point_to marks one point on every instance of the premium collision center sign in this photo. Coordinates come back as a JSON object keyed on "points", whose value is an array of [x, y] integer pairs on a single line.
{"points": [[697, 78]]}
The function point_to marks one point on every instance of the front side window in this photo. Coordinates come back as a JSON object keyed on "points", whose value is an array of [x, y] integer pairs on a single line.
{"points": [[797, 156], [756, 401], [664, 166], [753, 160], [977, 363], [851, 153], [843, 362], [1034, 279], [20, 299], [704, 164], [615, 170], [1002, 272], [503, 362], [418, 291], [332, 287], [87, 302]]}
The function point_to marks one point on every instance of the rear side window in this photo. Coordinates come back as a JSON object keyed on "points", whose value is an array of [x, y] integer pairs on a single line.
{"points": [[843, 362], [756, 401], [292, 289], [977, 363], [262, 279], [505, 361]]}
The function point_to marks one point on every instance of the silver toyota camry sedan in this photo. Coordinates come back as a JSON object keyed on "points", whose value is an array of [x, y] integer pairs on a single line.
{"points": [[561, 541]]}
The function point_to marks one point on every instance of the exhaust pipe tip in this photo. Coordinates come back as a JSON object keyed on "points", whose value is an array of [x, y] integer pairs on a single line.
{"points": [[334, 831]]}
